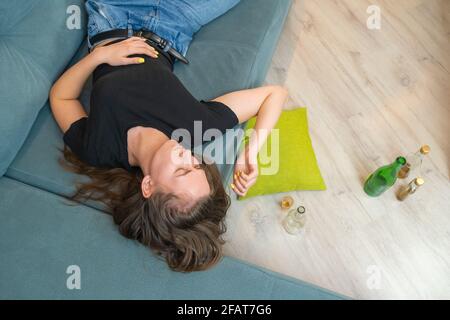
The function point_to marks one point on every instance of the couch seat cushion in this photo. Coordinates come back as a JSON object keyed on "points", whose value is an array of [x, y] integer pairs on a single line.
{"points": [[40, 237]]}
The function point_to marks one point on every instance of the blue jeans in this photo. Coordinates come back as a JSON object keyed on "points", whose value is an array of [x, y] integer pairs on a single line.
{"points": [[174, 20]]}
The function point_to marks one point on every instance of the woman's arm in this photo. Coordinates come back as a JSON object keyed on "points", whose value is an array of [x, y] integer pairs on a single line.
{"points": [[266, 103], [64, 94]]}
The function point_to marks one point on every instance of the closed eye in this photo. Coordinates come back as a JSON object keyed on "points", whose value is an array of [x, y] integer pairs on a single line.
{"points": [[186, 171]]}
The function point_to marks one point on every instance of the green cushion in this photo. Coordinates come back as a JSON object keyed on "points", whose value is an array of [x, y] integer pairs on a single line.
{"points": [[297, 165]]}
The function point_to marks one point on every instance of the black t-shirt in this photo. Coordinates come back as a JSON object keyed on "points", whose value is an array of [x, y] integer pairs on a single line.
{"points": [[148, 95]]}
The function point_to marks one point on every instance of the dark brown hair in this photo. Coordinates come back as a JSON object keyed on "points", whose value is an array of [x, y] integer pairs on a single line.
{"points": [[188, 239]]}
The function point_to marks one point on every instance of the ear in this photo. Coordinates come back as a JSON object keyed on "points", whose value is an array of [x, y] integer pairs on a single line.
{"points": [[147, 186]]}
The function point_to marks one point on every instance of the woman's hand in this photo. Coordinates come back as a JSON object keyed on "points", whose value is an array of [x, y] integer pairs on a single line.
{"points": [[117, 54], [266, 103], [245, 172]]}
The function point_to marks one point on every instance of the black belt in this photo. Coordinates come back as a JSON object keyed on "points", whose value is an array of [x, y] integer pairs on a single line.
{"points": [[123, 33]]}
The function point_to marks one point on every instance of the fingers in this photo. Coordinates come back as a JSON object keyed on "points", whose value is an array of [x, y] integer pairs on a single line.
{"points": [[241, 189], [137, 60], [146, 49], [243, 180], [144, 44], [246, 179], [237, 191], [241, 183], [137, 45], [236, 186], [251, 175], [251, 183], [243, 176], [133, 39]]}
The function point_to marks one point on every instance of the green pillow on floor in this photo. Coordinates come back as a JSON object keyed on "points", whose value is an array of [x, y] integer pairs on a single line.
{"points": [[297, 165]]}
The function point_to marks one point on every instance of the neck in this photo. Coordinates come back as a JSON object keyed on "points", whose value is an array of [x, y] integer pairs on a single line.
{"points": [[143, 146]]}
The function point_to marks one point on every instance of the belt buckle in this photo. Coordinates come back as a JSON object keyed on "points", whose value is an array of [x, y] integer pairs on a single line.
{"points": [[139, 34], [162, 43], [158, 43]]}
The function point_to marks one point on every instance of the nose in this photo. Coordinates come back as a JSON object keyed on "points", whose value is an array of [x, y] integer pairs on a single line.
{"points": [[187, 157]]}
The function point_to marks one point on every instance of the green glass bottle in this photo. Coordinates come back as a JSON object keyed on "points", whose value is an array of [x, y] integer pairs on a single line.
{"points": [[383, 178]]}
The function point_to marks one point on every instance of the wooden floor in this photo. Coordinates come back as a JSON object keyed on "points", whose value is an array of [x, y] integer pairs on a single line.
{"points": [[371, 95]]}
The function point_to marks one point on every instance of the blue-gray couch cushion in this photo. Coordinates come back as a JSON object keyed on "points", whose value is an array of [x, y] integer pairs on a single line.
{"points": [[40, 237], [35, 46], [232, 52]]}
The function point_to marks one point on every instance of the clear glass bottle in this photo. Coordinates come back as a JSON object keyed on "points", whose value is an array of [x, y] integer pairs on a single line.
{"points": [[295, 220], [410, 188], [413, 161]]}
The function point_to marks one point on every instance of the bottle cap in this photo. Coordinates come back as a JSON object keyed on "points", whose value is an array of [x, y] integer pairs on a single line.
{"points": [[401, 160], [287, 202], [425, 149], [419, 181], [301, 209]]}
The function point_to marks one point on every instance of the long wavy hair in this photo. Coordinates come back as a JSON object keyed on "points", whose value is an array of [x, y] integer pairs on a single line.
{"points": [[189, 239]]}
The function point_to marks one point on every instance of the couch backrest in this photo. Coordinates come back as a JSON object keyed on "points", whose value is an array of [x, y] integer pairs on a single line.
{"points": [[29, 64]]}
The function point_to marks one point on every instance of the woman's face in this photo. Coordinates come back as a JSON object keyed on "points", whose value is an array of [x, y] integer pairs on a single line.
{"points": [[176, 170]]}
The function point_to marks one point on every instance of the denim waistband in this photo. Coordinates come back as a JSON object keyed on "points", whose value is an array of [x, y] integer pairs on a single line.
{"points": [[174, 20]]}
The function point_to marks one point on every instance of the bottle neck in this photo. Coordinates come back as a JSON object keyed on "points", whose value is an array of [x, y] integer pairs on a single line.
{"points": [[398, 164], [299, 213], [418, 155]]}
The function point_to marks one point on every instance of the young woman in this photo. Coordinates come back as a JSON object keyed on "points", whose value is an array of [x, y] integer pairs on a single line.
{"points": [[158, 192]]}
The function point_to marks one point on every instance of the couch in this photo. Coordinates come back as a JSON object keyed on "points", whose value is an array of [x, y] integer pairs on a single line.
{"points": [[42, 234]]}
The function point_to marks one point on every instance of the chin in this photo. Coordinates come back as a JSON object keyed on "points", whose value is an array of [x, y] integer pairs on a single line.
{"points": [[162, 156], [168, 147]]}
